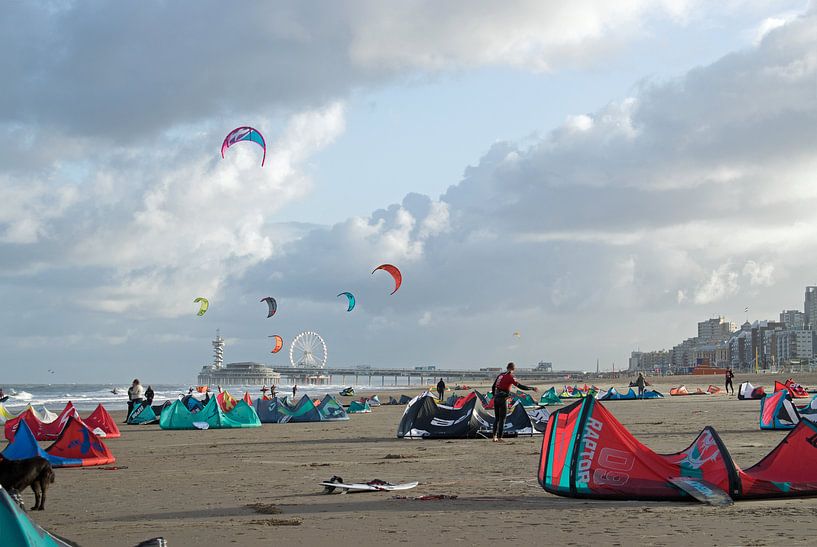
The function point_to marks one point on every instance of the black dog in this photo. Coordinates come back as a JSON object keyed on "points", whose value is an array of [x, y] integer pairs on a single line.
{"points": [[17, 475]]}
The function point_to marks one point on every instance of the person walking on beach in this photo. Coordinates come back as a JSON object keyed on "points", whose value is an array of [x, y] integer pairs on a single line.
{"points": [[294, 390], [136, 394], [501, 390], [729, 375], [640, 382], [272, 392], [441, 389]]}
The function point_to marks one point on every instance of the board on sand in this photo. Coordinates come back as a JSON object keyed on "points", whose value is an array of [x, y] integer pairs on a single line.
{"points": [[371, 486], [703, 491]]}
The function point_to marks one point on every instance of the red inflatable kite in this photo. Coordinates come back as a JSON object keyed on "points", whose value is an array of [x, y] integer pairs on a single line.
{"points": [[395, 273]]}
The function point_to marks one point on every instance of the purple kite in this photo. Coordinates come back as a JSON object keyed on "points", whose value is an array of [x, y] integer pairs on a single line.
{"points": [[245, 133]]}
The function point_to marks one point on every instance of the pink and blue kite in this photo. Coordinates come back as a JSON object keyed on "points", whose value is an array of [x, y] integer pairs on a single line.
{"points": [[245, 133]]}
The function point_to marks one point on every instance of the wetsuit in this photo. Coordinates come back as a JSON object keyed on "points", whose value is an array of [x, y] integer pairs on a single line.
{"points": [[729, 376], [501, 390], [441, 389]]}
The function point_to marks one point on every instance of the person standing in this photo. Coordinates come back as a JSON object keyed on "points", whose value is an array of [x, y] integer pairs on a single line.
{"points": [[149, 395], [294, 390], [501, 390], [640, 382], [272, 392], [136, 394], [729, 375], [441, 389]]}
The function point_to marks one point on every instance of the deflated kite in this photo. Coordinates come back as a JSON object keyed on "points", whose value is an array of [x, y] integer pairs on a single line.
{"points": [[245, 133], [395, 273], [204, 305], [279, 343], [273, 305], [351, 299]]}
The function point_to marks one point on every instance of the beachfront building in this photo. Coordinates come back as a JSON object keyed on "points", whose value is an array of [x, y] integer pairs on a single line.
{"points": [[810, 307], [796, 345], [753, 347], [715, 330], [793, 319], [650, 361], [683, 356]]}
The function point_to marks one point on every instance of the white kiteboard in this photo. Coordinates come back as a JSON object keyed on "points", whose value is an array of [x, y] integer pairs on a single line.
{"points": [[374, 486], [701, 490]]}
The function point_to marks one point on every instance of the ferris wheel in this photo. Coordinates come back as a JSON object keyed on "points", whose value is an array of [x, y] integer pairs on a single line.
{"points": [[308, 350]]}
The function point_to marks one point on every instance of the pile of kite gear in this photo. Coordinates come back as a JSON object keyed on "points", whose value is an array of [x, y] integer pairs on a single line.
{"points": [[424, 418], [145, 414], [795, 390], [587, 453], [47, 426], [576, 392], [682, 391], [348, 392], [211, 416], [778, 412], [76, 446], [357, 407], [18, 529], [550, 397], [404, 400], [747, 391], [282, 411]]}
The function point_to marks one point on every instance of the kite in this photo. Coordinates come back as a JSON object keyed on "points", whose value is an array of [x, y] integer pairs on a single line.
{"points": [[516, 334], [244, 133], [279, 343], [351, 299], [273, 305], [395, 273], [204, 305]]}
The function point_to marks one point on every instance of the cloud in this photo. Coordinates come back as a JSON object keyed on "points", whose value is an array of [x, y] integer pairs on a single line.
{"points": [[761, 274], [610, 231], [638, 210]]}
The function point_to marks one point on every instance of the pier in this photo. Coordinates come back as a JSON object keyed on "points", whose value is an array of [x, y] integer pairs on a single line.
{"points": [[377, 376]]}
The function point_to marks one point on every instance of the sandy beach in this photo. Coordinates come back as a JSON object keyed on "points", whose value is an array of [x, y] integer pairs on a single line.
{"points": [[253, 486]]}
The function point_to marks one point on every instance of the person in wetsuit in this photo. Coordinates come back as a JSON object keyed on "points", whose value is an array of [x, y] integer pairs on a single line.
{"points": [[640, 383], [501, 390], [729, 376], [149, 395], [441, 389]]}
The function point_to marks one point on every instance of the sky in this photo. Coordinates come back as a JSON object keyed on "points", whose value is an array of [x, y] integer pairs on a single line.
{"points": [[596, 176]]}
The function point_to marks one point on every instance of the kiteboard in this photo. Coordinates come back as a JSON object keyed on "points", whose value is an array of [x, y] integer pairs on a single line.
{"points": [[4, 399], [371, 486], [701, 490]]}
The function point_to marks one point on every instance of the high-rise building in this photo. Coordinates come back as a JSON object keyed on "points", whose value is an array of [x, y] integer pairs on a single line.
{"points": [[714, 330], [810, 307], [793, 319]]}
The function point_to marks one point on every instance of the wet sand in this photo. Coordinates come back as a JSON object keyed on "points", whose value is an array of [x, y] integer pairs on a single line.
{"points": [[253, 486]]}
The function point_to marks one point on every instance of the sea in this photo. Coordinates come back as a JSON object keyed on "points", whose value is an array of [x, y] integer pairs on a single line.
{"points": [[88, 396]]}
